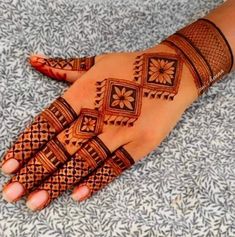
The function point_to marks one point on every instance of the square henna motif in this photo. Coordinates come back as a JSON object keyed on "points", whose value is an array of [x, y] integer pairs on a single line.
{"points": [[89, 123], [120, 101], [159, 72]]}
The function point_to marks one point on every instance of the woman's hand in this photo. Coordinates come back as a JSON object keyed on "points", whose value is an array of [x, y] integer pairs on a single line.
{"points": [[112, 116]]}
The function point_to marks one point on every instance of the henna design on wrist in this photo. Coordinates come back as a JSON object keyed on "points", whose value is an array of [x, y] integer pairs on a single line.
{"points": [[159, 74], [45, 126], [88, 158], [112, 168], [120, 101], [205, 50]]}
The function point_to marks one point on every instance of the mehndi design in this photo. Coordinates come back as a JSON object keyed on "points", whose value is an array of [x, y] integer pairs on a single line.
{"points": [[205, 50], [47, 66], [159, 74], [112, 168], [119, 100], [60, 149], [88, 158], [45, 126]]}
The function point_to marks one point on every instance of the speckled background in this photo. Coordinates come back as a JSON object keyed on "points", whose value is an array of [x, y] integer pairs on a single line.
{"points": [[184, 188]]}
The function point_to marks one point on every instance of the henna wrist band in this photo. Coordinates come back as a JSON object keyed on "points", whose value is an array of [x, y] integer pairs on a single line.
{"points": [[205, 50]]}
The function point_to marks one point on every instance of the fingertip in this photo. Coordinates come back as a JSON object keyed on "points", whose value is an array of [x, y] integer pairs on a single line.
{"points": [[13, 191], [10, 166], [37, 60], [38, 200], [81, 193]]}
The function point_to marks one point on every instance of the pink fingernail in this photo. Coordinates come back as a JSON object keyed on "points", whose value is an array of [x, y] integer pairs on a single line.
{"points": [[10, 166], [37, 200], [13, 191], [81, 193]]}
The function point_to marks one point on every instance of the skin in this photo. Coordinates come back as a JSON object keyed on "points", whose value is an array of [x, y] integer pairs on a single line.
{"points": [[163, 114]]}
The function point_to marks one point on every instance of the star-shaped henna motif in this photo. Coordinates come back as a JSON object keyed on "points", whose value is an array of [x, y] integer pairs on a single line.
{"points": [[159, 74], [119, 100]]}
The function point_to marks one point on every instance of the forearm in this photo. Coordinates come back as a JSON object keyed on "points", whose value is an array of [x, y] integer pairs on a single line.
{"points": [[207, 47]]}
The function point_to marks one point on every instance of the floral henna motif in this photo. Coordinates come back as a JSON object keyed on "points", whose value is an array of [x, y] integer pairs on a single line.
{"points": [[89, 124], [45, 126], [112, 168], [159, 74], [199, 44], [120, 101], [87, 159]]}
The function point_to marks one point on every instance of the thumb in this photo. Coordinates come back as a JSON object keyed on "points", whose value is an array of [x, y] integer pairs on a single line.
{"points": [[68, 70]]}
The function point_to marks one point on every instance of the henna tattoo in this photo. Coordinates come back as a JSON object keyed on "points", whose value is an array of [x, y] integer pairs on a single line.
{"points": [[71, 64], [119, 100], [105, 174], [58, 150], [45, 126], [42, 165], [205, 50], [89, 124], [91, 155], [159, 74]]}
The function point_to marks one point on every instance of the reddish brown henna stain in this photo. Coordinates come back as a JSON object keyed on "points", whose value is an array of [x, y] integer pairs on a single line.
{"points": [[205, 50]]}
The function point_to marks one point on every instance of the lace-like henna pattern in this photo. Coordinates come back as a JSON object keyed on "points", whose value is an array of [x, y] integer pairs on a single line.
{"points": [[120, 101], [112, 168], [60, 149], [42, 165], [88, 158], [45, 126], [89, 124], [205, 50], [159, 74], [71, 64]]}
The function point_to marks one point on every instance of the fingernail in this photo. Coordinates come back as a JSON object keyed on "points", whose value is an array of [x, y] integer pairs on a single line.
{"points": [[37, 200], [13, 191], [10, 166], [37, 61], [80, 193]]}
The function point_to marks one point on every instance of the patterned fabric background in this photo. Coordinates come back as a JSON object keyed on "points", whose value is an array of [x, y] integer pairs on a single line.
{"points": [[184, 188]]}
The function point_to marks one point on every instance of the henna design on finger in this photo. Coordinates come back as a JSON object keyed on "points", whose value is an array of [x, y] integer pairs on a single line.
{"points": [[88, 158], [159, 74], [120, 101], [60, 149], [105, 174], [42, 165], [70, 64], [45, 126], [47, 66], [205, 51]]}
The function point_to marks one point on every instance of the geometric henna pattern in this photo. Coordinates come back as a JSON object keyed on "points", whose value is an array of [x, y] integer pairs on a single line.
{"points": [[89, 124], [159, 74], [105, 174], [91, 155], [71, 64], [45, 126], [43, 164], [205, 50], [120, 101]]}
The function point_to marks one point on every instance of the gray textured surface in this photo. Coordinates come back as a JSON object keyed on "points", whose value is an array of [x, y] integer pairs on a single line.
{"points": [[185, 188]]}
